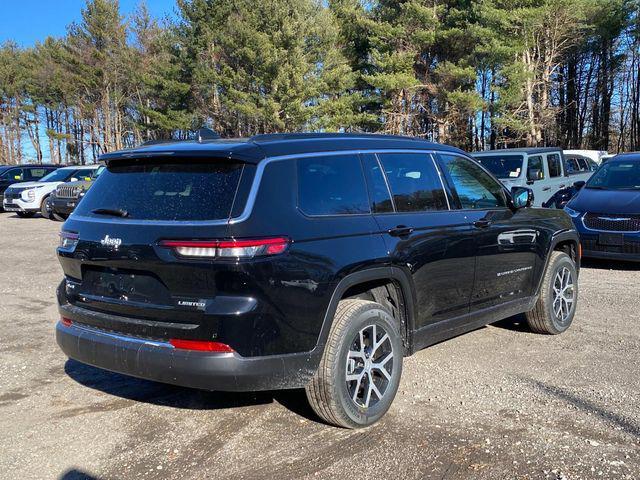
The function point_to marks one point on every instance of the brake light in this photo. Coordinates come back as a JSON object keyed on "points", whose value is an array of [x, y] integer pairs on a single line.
{"points": [[66, 321], [201, 345], [579, 250], [68, 240], [227, 248]]}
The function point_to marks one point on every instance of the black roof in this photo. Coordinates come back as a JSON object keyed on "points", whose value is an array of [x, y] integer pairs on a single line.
{"points": [[527, 150], [259, 147], [40, 165]]}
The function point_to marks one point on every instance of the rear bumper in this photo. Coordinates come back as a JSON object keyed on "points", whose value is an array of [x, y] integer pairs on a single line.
{"points": [[161, 362]]}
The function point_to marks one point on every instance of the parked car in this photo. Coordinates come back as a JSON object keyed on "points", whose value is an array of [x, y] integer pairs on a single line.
{"points": [[562, 197], [594, 155], [577, 163], [606, 212], [10, 174], [29, 198], [302, 260], [67, 195], [541, 169]]}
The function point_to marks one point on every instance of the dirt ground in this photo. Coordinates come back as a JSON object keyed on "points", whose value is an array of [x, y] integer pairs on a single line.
{"points": [[496, 403]]}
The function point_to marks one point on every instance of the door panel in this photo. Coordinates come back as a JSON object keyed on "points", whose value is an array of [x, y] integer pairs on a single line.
{"points": [[422, 236], [506, 258], [505, 241]]}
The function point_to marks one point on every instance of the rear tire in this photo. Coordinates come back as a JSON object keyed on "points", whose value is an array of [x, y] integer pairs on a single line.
{"points": [[360, 369], [556, 305]]}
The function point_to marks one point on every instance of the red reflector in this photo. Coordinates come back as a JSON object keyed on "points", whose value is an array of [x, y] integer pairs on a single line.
{"points": [[200, 345], [66, 322]]}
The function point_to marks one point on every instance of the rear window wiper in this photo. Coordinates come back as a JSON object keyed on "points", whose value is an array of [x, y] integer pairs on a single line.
{"points": [[115, 212]]}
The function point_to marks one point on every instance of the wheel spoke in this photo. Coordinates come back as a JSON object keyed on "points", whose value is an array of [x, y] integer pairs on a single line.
{"points": [[369, 390], [378, 344]]}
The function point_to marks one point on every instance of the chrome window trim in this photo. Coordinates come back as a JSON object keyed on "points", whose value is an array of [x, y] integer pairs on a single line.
{"points": [[255, 186]]}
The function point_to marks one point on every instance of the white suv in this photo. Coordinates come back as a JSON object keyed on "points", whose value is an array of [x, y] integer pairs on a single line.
{"points": [[29, 198], [543, 170]]}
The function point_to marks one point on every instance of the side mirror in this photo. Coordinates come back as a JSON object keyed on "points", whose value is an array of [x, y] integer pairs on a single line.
{"points": [[521, 197], [579, 184]]}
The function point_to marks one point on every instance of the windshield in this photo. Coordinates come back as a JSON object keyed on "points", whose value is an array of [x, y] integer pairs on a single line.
{"points": [[152, 191], [59, 175], [502, 166], [616, 176]]}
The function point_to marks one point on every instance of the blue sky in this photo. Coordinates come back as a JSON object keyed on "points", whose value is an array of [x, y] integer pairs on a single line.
{"points": [[27, 22]]}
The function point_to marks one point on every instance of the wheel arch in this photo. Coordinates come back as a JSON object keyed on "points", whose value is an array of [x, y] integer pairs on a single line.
{"points": [[361, 281], [566, 241]]}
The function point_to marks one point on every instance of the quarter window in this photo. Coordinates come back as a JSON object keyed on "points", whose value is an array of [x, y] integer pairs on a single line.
{"points": [[474, 187], [553, 162], [332, 185], [413, 181]]}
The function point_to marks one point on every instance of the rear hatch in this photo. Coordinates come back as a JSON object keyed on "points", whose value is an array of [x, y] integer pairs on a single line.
{"points": [[112, 255]]}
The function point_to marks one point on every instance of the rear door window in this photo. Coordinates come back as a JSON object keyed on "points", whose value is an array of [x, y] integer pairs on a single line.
{"points": [[172, 191], [378, 190], [332, 185], [554, 164], [413, 181]]}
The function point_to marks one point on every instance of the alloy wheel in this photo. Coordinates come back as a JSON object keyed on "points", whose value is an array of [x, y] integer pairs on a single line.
{"points": [[369, 366]]}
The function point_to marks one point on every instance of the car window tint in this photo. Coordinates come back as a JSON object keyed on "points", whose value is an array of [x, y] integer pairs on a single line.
{"points": [[572, 166], [553, 162], [14, 175], [34, 173], [475, 188], [413, 181], [332, 185], [165, 191], [378, 191], [535, 170]]}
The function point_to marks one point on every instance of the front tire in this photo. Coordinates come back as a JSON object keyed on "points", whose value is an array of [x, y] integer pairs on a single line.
{"points": [[360, 370], [43, 208], [556, 306]]}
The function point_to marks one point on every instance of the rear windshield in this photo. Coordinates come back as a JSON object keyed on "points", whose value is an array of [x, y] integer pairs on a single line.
{"points": [[502, 166], [172, 191]]}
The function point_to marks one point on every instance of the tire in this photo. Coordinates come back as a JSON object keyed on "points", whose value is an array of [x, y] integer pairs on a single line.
{"points": [[553, 315], [26, 214], [57, 217], [43, 208], [355, 404]]}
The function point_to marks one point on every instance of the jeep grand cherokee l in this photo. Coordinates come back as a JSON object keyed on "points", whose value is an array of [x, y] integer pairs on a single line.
{"points": [[307, 260]]}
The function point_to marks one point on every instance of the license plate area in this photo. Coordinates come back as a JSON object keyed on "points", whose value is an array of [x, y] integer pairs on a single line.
{"points": [[127, 286], [611, 239]]}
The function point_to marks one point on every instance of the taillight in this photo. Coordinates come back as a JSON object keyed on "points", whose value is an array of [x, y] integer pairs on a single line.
{"points": [[68, 240], [201, 345], [227, 248], [66, 321]]}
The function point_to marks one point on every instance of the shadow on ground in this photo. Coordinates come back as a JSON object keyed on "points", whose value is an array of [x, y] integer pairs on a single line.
{"points": [[146, 391], [610, 264], [74, 474]]}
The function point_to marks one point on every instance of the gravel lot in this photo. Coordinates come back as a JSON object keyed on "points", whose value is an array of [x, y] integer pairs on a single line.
{"points": [[499, 402]]}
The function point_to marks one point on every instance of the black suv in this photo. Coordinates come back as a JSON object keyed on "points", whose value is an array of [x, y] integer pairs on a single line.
{"points": [[302, 260]]}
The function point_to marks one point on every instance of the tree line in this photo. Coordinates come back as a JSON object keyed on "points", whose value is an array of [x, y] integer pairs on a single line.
{"points": [[477, 74]]}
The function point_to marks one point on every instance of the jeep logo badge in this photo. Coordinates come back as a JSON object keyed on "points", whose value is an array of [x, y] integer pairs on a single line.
{"points": [[111, 242]]}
